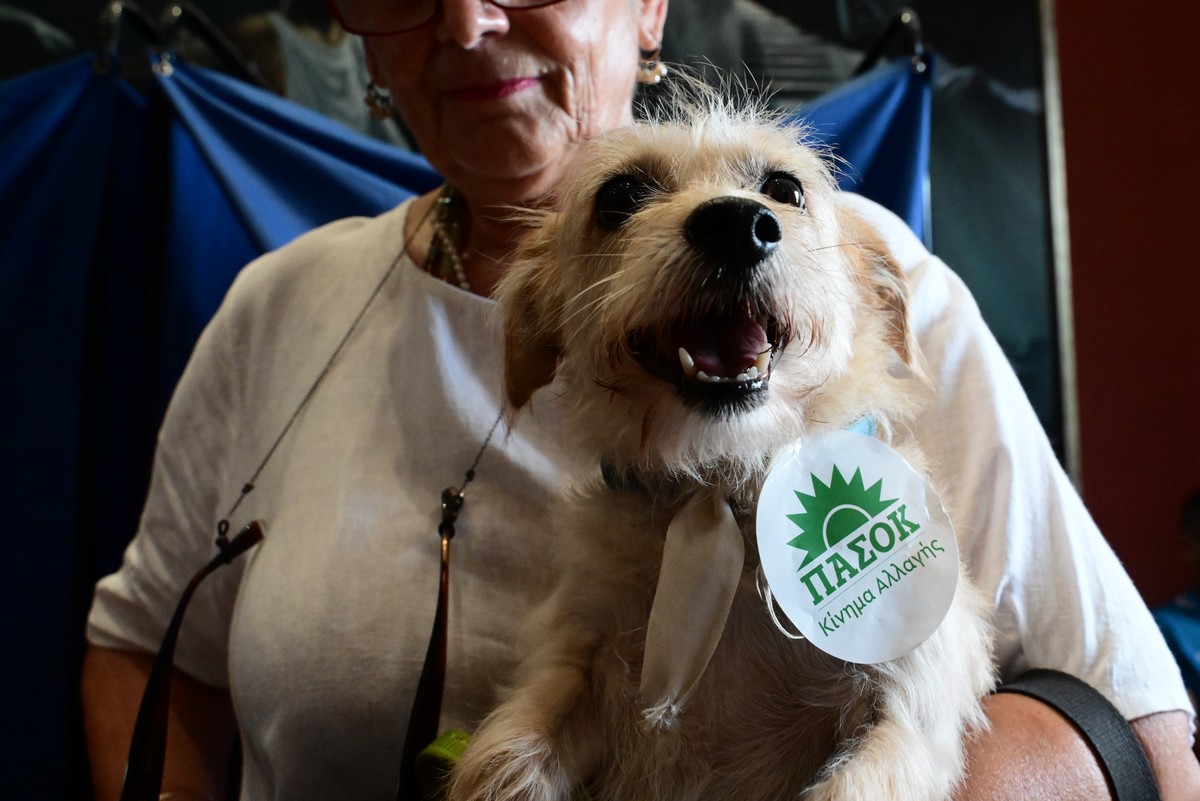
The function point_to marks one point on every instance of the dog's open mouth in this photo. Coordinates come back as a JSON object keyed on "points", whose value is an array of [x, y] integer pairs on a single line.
{"points": [[718, 360]]}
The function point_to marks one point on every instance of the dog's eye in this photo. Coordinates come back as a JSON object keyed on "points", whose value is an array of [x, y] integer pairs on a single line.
{"points": [[783, 188], [619, 198]]}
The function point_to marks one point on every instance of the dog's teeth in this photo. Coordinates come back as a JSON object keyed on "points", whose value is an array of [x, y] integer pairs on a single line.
{"points": [[687, 363], [751, 373], [763, 362]]}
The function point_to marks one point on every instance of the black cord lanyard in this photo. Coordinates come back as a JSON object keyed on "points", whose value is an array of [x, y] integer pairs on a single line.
{"points": [[426, 711]]}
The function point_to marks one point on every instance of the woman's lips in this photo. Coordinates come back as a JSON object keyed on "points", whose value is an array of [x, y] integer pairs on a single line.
{"points": [[494, 90]]}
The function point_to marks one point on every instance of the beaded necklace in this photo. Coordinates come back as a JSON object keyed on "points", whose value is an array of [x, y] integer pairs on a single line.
{"points": [[444, 259]]}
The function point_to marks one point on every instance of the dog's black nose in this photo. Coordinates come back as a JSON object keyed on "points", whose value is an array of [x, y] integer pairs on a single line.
{"points": [[738, 231]]}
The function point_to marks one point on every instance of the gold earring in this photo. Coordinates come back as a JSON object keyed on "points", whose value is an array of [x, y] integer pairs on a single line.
{"points": [[650, 69], [379, 101]]}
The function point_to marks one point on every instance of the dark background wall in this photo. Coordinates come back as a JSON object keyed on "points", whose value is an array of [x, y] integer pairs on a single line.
{"points": [[1129, 78], [76, 16]]}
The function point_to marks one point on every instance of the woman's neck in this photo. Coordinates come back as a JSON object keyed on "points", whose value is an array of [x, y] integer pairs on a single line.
{"points": [[488, 240], [488, 249]]}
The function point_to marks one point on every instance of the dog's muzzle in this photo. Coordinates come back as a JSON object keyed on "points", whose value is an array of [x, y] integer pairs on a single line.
{"points": [[720, 359]]}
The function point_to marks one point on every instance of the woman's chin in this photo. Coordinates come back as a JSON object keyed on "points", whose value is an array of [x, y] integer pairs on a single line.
{"points": [[508, 158], [508, 175]]}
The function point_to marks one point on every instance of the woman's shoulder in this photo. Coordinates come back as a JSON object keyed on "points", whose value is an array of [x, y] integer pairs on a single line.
{"points": [[940, 303], [319, 267], [904, 245], [339, 246]]}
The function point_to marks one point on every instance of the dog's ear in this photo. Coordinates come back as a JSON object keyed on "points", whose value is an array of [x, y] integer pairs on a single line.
{"points": [[883, 279], [529, 295]]}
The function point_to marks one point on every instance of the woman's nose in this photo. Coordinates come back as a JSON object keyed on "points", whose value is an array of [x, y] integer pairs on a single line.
{"points": [[466, 22]]}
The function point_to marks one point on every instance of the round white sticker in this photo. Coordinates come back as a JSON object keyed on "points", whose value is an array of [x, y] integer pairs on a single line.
{"points": [[856, 547]]}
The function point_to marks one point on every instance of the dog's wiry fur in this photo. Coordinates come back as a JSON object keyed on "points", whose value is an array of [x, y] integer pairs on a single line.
{"points": [[771, 718]]}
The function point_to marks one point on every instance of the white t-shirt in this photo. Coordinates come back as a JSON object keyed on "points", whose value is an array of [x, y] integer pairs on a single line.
{"points": [[320, 632]]}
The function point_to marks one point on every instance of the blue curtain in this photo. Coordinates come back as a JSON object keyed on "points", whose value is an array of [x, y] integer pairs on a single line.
{"points": [[878, 127]]}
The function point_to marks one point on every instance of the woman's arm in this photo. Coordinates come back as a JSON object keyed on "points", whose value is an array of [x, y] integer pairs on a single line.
{"points": [[1032, 752], [1166, 736], [200, 734]]}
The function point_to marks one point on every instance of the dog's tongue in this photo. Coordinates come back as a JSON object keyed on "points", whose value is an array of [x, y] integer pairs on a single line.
{"points": [[724, 346]]}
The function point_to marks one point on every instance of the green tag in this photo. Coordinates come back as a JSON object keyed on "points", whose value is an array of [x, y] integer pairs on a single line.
{"points": [[436, 759]]}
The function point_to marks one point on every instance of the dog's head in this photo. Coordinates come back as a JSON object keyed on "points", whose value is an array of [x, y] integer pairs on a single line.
{"points": [[701, 299]]}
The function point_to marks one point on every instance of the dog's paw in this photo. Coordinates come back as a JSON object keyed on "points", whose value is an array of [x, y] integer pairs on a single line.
{"points": [[898, 778], [522, 769]]}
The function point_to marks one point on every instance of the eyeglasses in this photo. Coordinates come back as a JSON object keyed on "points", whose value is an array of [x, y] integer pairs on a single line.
{"points": [[390, 17]]}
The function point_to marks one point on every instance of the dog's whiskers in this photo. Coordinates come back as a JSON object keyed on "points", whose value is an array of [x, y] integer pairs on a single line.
{"points": [[836, 246], [597, 287], [589, 311]]}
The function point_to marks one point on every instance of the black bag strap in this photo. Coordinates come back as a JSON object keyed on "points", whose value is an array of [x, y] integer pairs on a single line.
{"points": [[1124, 762], [148, 746]]}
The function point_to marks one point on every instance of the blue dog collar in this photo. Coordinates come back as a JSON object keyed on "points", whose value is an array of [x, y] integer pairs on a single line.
{"points": [[864, 425]]}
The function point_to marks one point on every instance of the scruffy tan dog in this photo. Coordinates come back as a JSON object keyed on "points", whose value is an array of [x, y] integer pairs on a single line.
{"points": [[699, 301]]}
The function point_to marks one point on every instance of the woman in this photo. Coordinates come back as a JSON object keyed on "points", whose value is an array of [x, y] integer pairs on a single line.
{"points": [[320, 634]]}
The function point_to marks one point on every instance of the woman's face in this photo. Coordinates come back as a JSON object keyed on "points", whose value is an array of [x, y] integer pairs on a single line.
{"points": [[499, 99]]}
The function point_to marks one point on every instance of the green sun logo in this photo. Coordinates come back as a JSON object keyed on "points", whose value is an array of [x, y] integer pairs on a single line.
{"points": [[834, 511]]}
